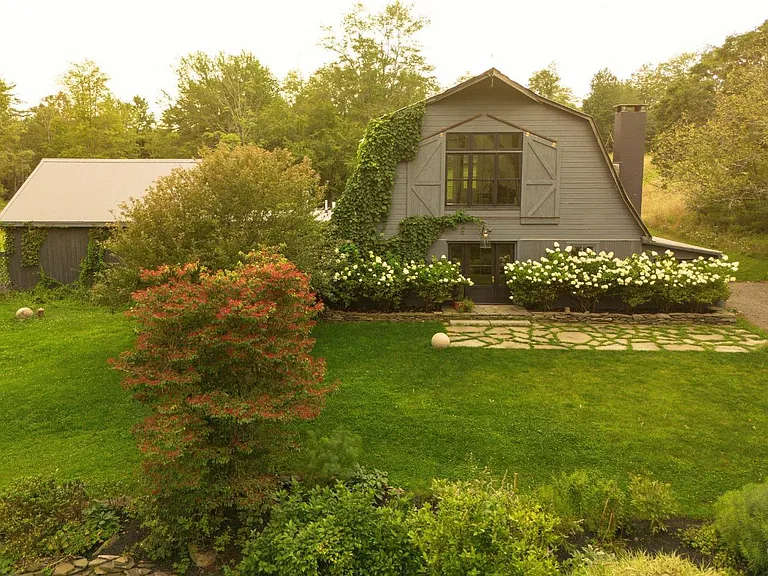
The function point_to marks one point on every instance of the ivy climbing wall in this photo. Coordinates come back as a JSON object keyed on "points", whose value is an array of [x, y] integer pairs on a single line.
{"points": [[59, 255], [367, 197]]}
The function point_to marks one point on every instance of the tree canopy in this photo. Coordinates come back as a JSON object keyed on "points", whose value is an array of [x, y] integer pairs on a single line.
{"points": [[546, 82], [221, 98], [605, 92]]}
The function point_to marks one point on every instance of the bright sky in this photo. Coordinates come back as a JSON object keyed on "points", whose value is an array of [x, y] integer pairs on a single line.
{"points": [[137, 43]]}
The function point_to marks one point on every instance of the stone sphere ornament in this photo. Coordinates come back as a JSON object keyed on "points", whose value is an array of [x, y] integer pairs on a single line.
{"points": [[24, 313], [440, 341]]}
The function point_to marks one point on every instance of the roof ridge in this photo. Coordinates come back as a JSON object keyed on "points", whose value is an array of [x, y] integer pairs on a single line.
{"points": [[118, 160]]}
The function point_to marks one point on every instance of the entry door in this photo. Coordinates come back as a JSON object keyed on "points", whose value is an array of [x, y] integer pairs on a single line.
{"points": [[484, 265]]}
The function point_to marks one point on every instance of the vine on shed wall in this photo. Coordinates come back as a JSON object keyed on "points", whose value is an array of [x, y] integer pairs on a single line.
{"points": [[32, 240], [93, 263], [5, 261]]}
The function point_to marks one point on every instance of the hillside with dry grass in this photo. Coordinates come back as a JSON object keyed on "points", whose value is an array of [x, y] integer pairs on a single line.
{"points": [[666, 212]]}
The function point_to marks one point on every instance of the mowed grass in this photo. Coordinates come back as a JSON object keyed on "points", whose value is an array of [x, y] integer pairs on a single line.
{"points": [[696, 420], [61, 406]]}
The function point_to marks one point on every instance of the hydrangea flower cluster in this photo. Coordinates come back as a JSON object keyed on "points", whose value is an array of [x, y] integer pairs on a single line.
{"points": [[642, 279], [370, 279]]}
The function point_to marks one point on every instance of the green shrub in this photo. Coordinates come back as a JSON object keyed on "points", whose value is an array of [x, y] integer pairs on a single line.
{"points": [[588, 501], [641, 564], [334, 531], [330, 458], [465, 305], [40, 517], [651, 500], [478, 528], [742, 521], [223, 360], [236, 199], [707, 540]]}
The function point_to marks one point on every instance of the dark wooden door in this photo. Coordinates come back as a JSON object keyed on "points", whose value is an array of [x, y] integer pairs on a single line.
{"points": [[484, 265]]}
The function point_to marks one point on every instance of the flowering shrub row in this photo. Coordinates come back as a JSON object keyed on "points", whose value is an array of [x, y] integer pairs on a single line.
{"points": [[642, 279], [383, 282]]}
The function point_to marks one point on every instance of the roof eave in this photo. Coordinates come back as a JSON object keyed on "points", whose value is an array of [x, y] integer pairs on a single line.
{"points": [[672, 245]]}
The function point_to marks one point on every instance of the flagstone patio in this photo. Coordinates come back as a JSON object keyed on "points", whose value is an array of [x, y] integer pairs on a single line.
{"points": [[526, 334]]}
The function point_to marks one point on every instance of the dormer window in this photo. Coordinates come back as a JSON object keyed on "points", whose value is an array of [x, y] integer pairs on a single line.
{"points": [[483, 169]]}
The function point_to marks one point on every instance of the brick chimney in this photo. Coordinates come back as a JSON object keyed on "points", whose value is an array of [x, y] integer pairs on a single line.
{"points": [[629, 149]]}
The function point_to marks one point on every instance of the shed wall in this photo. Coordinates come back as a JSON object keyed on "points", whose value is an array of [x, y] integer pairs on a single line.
{"points": [[60, 257]]}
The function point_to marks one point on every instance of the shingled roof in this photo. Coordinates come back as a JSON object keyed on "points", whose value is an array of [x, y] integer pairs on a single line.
{"points": [[83, 191]]}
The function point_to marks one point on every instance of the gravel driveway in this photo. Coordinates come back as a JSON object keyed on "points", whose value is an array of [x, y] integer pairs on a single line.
{"points": [[751, 300]]}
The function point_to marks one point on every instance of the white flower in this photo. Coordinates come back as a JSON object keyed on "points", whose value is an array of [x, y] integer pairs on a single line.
{"points": [[556, 244]]}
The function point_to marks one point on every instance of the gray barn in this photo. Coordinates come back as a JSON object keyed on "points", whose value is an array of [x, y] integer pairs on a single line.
{"points": [[534, 170], [68, 197]]}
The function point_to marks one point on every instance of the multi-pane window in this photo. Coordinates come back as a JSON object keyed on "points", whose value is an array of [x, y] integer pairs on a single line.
{"points": [[483, 169]]}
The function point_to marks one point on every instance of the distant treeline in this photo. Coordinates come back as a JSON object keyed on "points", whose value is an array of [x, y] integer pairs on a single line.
{"points": [[707, 111]]}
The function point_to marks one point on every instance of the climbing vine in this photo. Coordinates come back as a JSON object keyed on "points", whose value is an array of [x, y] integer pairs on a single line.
{"points": [[367, 196], [418, 233], [93, 263], [5, 261], [10, 241], [32, 240]]}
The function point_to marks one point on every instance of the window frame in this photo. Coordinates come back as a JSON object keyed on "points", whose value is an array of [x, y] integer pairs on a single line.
{"points": [[496, 152]]}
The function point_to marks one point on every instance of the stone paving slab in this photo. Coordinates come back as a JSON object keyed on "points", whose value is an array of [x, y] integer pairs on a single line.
{"points": [[527, 335]]}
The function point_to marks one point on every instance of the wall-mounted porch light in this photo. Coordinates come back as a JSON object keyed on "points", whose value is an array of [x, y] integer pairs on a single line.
{"points": [[485, 232]]}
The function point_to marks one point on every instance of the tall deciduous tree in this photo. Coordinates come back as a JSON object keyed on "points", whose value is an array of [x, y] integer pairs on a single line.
{"points": [[659, 88], [691, 91], [226, 97], [546, 82], [723, 161], [84, 119], [378, 68], [605, 92], [15, 160]]}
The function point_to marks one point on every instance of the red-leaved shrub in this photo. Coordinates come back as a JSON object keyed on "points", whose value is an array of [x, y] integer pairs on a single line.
{"points": [[223, 361]]}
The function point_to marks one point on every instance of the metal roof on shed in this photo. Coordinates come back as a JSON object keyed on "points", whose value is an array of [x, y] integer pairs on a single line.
{"points": [[83, 191]]}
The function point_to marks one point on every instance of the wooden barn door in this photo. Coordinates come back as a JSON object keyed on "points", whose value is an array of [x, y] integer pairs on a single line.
{"points": [[426, 174], [540, 201]]}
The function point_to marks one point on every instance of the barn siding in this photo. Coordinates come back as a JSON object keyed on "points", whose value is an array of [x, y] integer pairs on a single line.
{"points": [[591, 207], [60, 257], [535, 249]]}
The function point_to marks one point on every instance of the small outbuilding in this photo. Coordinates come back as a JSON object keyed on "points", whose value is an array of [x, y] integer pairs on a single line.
{"points": [[62, 204]]}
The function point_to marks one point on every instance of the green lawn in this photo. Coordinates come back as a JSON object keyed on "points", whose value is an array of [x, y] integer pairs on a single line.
{"points": [[697, 420], [61, 407]]}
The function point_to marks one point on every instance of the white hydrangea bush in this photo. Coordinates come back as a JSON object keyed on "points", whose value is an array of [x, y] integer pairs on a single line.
{"points": [[383, 282], [586, 276]]}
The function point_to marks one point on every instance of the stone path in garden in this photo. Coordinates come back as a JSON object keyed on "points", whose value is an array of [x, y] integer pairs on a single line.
{"points": [[525, 335]]}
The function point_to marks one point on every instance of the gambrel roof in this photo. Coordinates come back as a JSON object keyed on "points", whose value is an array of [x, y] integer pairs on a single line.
{"points": [[494, 75]]}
